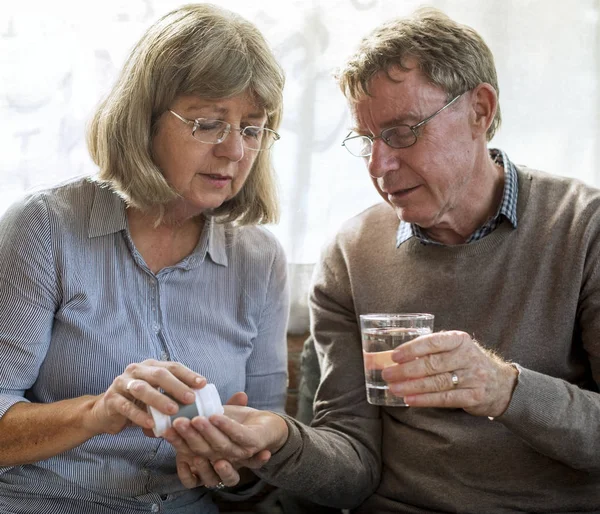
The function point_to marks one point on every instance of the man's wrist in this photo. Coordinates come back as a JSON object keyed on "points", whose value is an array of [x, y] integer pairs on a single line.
{"points": [[516, 372], [283, 431]]}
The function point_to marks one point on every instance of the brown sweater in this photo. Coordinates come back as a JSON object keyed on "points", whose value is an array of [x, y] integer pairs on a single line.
{"points": [[533, 295]]}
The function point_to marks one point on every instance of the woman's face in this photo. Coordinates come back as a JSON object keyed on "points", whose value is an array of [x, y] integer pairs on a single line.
{"points": [[205, 175]]}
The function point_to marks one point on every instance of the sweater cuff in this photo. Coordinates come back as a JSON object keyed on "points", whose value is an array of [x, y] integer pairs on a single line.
{"points": [[290, 447]]}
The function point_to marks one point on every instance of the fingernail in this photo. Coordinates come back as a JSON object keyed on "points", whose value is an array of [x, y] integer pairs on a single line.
{"points": [[189, 397], [172, 407]]}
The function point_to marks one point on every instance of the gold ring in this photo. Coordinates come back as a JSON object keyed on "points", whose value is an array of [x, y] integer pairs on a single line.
{"points": [[454, 379]]}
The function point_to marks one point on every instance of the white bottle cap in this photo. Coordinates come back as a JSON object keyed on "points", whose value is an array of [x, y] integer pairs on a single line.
{"points": [[208, 402], [161, 421]]}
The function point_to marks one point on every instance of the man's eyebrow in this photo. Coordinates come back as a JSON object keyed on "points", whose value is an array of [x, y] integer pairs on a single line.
{"points": [[409, 120]]}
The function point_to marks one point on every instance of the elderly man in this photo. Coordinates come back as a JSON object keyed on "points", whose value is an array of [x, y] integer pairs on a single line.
{"points": [[504, 404]]}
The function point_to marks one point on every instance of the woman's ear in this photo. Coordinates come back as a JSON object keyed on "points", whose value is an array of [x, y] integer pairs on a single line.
{"points": [[484, 104]]}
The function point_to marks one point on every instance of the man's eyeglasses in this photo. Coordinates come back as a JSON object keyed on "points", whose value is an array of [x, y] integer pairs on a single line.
{"points": [[401, 136], [214, 132]]}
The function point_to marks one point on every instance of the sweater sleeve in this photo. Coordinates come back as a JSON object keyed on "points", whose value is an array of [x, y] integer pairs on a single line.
{"points": [[335, 462], [556, 417]]}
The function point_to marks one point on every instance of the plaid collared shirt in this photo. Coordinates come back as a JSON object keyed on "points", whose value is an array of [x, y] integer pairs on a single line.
{"points": [[507, 209]]}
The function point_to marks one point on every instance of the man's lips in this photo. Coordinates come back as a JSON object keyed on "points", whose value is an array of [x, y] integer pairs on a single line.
{"points": [[401, 193]]}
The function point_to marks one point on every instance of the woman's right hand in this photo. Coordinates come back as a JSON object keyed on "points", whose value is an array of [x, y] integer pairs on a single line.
{"points": [[125, 400]]}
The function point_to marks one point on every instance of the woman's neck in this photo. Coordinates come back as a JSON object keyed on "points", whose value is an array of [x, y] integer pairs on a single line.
{"points": [[164, 244]]}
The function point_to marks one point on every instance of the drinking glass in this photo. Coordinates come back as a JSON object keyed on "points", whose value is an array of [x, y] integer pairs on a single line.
{"points": [[380, 334]]}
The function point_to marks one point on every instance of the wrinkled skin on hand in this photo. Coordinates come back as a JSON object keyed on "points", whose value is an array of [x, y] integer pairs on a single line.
{"points": [[216, 449], [124, 402], [424, 368]]}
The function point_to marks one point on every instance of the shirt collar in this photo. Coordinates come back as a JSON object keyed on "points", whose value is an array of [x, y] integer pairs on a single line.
{"points": [[108, 216], [108, 213], [217, 241], [508, 207]]}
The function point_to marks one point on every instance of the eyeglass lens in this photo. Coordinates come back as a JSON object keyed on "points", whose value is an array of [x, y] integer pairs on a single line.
{"points": [[215, 131]]}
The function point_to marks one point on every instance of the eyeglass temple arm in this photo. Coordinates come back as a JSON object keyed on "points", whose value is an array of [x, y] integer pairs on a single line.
{"points": [[189, 122]]}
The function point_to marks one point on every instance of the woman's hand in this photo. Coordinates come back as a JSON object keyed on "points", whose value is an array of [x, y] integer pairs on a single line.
{"points": [[242, 435], [213, 450], [194, 471], [124, 401]]}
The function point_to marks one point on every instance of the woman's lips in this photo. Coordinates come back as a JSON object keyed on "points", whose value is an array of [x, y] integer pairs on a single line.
{"points": [[218, 181]]}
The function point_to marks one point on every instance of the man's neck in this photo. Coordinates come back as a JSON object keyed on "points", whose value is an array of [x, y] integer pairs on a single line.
{"points": [[480, 202]]}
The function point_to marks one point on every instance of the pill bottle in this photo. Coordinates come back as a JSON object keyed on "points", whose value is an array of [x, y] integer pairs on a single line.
{"points": [[207, 403]]}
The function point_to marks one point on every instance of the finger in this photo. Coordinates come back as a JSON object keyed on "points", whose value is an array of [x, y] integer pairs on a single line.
{"points": [[186, 434], [174, 378], [240, 399], [457, 399], [430, 344], [128, 409], [143, 392], [243, 438], [430, 365], [431, 384], [257, 461], [227, 473], [187, 477], [220, 443], [205, 471], [171, 436]]}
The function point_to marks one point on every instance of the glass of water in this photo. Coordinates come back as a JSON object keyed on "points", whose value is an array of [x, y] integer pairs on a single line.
{"points": [[381, 333]]}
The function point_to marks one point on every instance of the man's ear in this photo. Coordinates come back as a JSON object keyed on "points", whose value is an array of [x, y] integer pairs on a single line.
{"points": [[484, 102]]}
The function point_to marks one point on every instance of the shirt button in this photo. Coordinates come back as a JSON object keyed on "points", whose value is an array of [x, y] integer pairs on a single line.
{"points": [[156, 328], [164, 356], [155, 507]]}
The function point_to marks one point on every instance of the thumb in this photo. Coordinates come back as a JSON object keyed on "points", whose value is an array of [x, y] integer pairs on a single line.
{"points": [[239, 398]]}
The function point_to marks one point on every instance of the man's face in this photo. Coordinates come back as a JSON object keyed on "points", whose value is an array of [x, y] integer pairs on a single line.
{"points": [[429, 183]]}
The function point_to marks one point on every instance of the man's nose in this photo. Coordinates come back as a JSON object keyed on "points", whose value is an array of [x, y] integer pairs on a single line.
{"points": [[382, 160]]}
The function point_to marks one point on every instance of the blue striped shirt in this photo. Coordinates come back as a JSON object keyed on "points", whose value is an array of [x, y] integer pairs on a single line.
{"points": [[78, 304], [507, 209]]}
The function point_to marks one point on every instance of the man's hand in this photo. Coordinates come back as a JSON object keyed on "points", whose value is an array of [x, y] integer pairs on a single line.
{"points": [[426, 366]]}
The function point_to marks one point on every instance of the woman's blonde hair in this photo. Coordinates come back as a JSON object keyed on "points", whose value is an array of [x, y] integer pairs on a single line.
{"points": [[198, 49], [451, 56]]}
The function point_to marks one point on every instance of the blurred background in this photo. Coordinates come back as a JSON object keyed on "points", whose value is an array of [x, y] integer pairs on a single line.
{"points": [[59, 58]]}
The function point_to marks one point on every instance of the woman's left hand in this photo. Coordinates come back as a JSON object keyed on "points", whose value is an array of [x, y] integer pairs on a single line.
{"points": [[195, 470]]}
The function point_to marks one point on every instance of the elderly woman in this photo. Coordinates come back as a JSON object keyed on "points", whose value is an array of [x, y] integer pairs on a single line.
{"points": [[150, 278]]}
